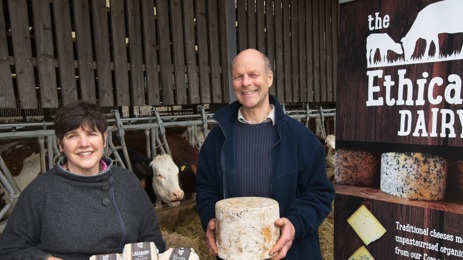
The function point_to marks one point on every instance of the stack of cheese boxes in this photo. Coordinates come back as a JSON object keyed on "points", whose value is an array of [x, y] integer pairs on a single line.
{"points": [[148, 251]]}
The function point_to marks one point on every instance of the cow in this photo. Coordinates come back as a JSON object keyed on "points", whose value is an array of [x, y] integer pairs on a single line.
{"points": [[330, 141], [436, 18], [329, 147], [165, 174], [184, 154], [186, 157], [22, 157], [382, 42], [159, 177]]}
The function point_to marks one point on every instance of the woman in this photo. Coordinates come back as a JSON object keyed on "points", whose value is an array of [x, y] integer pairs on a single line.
{"points": [[84, 205]]}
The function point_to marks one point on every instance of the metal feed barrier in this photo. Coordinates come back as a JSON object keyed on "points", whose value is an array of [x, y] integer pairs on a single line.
{"points": [[154, 128]]}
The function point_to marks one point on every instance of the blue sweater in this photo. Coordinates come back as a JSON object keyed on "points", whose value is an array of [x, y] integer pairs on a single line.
{"points": [[254, 144], [299, 182]]}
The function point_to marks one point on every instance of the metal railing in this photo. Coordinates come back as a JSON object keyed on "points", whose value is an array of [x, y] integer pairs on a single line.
{"points": [[154, 128]]}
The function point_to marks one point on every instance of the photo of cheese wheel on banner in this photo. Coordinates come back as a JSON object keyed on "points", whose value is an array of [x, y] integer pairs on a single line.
{"points": [[414, 175], [356, 168]]}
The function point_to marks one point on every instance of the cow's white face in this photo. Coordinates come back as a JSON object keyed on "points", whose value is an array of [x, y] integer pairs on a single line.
{"points": [[165, 180]]}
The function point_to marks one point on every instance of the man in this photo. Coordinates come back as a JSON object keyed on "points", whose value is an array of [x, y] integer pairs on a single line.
{"points": [[258, 150]]}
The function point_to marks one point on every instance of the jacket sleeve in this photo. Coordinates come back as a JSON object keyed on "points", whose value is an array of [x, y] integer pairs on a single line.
{"points": [[314, 191], [21, 234], [208, 186]]}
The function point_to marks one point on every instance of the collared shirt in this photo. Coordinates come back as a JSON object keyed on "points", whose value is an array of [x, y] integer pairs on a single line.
{"points": [[269, 118]]}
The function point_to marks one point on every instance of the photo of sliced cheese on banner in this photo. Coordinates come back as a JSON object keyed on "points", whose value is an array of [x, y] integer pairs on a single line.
{"points": [[366, 225], [361, 253]]}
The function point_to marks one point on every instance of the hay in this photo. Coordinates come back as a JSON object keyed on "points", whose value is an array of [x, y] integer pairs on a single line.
{"points": [[186, 231], [326, 234]]}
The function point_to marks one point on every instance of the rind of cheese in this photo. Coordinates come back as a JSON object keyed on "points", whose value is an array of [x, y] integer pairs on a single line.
{"points": [[356, 168], [245, 227], [415, 176], [366, 225], [361, 253]]}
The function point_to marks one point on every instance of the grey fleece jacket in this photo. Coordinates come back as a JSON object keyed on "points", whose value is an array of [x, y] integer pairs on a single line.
{"points": [[73, 217]]}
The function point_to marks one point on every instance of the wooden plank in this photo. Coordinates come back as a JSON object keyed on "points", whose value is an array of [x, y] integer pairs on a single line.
{"points": [[321, 50], [377, 194], [242, 25], [260, 20], [303, 64], [270, 39], [190, 52], [329, 50], [251, 24], [288, 93], [224, 48], [23, 64], [279, 75], [203, 53], [162, 11], [316, 51], [310, 52], [45, 53], [102, 47], [334, 45], [294, 52], [214, 50], [121, 77], [84, 50], [64, 46], [178, 51], [150, 50], [7, 98], [137, 82]]}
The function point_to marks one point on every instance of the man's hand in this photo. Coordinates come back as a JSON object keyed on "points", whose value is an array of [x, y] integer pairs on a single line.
{"points": [[286, 239], [210, 237]]}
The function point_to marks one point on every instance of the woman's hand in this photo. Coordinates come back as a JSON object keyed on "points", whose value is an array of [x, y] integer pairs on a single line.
{"points": [[54, 258]]}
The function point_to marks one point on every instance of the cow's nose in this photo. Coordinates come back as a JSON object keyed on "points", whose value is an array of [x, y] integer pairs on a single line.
{"points": [[178, 195]]}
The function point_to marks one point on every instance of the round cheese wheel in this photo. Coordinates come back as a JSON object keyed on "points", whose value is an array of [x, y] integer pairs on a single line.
{"points": [[356, 168], [411, 175], [245, 227]]}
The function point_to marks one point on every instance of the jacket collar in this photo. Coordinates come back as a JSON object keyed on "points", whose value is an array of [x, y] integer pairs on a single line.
{"points": [[229, 114]]}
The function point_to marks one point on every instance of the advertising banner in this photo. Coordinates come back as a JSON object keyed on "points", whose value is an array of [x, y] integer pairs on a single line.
{"points": [[399, 130]]}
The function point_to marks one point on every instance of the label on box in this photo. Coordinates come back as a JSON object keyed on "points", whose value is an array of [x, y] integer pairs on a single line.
{"points": [[180, 253]]}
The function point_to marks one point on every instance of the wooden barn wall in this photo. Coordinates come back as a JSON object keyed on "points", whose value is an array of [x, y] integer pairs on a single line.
{"points": [[160, 52]]}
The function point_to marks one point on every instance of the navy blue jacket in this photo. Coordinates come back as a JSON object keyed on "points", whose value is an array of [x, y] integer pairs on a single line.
{"points": [[299, 181]]}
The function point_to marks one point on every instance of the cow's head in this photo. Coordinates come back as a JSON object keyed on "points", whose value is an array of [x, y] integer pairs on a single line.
{"points": [[165, 180]]}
